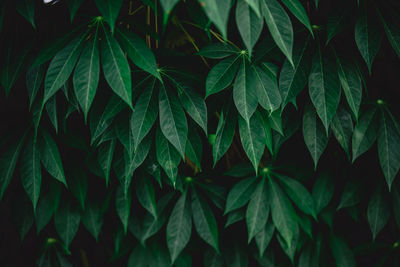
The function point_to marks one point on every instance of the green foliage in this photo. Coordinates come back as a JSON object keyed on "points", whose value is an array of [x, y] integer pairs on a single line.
{"points": [[214, 132]]}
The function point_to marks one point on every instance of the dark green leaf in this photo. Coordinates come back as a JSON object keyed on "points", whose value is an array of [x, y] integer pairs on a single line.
{"points": [[263, 238], [73, 6], [34, 80], [123, 203], [240, 194], [66, 221], [109, 10], [341, 252], [299, 12], [218, 12], [323, 191], [218, 50], [27, 9], [364, 134], [266, 87], [105, 157], [145, 194], [342, 128]]}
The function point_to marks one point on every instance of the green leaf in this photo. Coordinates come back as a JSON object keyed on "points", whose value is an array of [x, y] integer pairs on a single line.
{"points": [[240, 194], [392, 33], [221, 75], [124, 133], [368, 37], [336, 23], [22, 215], [173, 122], [47, 206], [314, 134], [138, 52], [31, 173], [299, 12], [324, 87], [299, 195], [234, 217], [8, 160], [218, 51], [351, 195], [204, 220], [50, 156], [236, 256], [179, 227], [279, 26], [167, 156], [144, 113], [168, 6], [105, 157], [249, 23], [145, 194], [139, 257], [109, 10], [244, 95], [388, 148], [351, 84], [34, 80], [342, 128], [116, 68], [253, 139], [323, 191], [255, 5], [341, 252], [218, 12], [78, 185], [51, 109], [264, 237], [283, 213], [92, 218], [266, 86], [86, 75], [27, 9], [123, 201], [292, 80], [66, 222], [138, 158], [73, 6], [257, 211], [225, 132], [364, 134], [212, 259], [194, 147]]}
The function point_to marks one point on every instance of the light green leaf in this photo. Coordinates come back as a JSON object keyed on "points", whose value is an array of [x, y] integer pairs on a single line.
{"points": [[283, 213], [368, 37], [145, 194], [218, 12], [249, 23], [240, 194], [323, 191], [116, 68], [324, 87], [138, 52], [364, 134], [61, 67], [221, 75], [253, 139], [299, 12], [105, 157], [266, 87], [179, 227], [86, 75], [342, 128], [257, 211], [66, 222], [255, 5], [204, 220], [279, 26], [109, 10], [50, 156], [388, 148], [123, 203], [173, 122], [244, 95], [314, 134]]}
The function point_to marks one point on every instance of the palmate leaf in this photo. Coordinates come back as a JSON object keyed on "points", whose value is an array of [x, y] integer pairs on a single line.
{"points": [[279, 25], [324, 87], [388, 148], [218, 12], [30, 170], [109, 10], [378, 212], [204, 220], [173, 122], [314, 134], [179, 227], [116, 68], [250, 24], [86, 74]]}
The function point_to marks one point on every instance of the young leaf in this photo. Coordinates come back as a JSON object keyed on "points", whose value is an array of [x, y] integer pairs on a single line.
{"points": [[173, 122], [299, 12], [66, 222], [266, 88], [388, 148], [116, 68], [364, 134], [218, 12], [50, 156], [222, 74], [323, 191], [314, 134], [257, 211], [30, 169], [109, 10], [249, 24], [324, 87], [204, 220], [179, 227], [279, 26], [240, 194], [342, 128], [123, 203], [368, 37], [86, 75], [253, 139]]}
